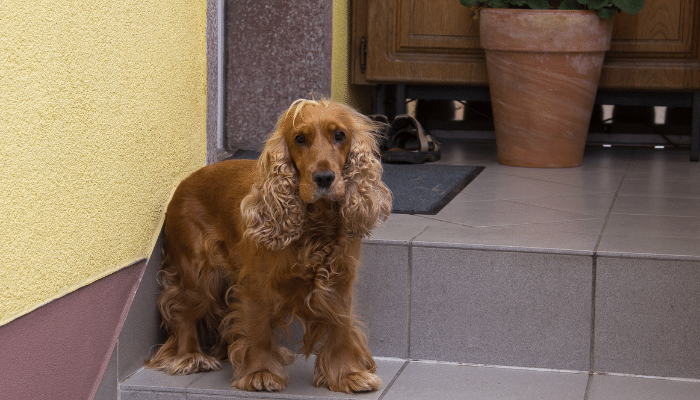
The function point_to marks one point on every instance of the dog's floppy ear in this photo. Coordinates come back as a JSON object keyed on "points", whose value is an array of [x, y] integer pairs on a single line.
{"points": [[367, 200], [273, 213]]}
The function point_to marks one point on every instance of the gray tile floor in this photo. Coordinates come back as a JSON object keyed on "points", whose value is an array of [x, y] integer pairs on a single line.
{"points": [[416, 380], [622, 201], [635, 209]]}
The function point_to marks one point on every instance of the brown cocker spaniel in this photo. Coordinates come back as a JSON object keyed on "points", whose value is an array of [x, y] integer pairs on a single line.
{"points": [[252, 245]]}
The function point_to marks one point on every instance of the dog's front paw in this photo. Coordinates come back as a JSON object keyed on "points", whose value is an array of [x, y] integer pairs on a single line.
{"points": [[261, 381], [363, 381], [184, 365]]}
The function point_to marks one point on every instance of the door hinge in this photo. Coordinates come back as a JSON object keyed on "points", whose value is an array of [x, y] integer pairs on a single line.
{"points": [[363, 54]]}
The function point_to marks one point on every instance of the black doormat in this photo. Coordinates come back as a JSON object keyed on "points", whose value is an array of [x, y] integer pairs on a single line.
{"points": [[417, 188], [426, 188]]}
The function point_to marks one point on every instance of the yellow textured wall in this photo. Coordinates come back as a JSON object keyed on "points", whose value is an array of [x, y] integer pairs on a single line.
{"points": [[339, 56], [359, 97], [102, 113]]}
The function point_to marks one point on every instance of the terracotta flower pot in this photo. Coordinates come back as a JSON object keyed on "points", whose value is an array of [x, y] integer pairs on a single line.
{"points": [[543, 68]]}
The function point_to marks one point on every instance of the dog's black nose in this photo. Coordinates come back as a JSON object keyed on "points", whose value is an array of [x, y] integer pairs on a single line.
{"points": [[323, 179]]}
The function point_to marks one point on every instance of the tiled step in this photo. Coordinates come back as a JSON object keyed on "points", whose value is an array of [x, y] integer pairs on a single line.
{"points": [[217, 385], [589, 269], [425, 298], [437, 295], [409, 380]]}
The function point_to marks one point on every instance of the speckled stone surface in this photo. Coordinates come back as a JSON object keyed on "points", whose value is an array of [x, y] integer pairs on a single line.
{"points": [[212, 79], [277, 52]]}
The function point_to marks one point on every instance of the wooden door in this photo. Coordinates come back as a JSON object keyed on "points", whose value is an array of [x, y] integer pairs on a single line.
{"points": [[420, 41], [437, 42], [659, 48]]}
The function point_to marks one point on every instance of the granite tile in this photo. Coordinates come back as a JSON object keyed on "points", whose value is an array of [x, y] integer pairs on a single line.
{"points": [[646, 317], [663, 226], [271, 62], [663, 206], [128, 394], [594, 205], [501, 213], [568, 237], [399, 229], [300, 383], [213, 107], [608, 158], [661, 187], [501, 308], [660, 171], [521, 188], [152, 380], [382, 296], [421, 381], [607, 387], [598, 179], [649, 247]]}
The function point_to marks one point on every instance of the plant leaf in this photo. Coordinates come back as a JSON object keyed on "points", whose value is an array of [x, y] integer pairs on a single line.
{"points": [[598, 4], [570, 5], [497, 4], [629, 6], [607, 12], [538, 4]]}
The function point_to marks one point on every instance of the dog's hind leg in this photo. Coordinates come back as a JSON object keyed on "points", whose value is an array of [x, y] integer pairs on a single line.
{"points": [[183, 304]]}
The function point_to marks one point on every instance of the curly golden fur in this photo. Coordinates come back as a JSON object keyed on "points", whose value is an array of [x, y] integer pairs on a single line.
{"points": [[251, 245]]}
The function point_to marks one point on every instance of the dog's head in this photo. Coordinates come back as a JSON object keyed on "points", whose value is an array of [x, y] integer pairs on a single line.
{"points": [[320, 150], [318, 136]]}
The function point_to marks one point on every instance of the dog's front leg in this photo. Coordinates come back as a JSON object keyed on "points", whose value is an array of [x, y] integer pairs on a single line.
{"points": [[258, 363], [343, 362]]}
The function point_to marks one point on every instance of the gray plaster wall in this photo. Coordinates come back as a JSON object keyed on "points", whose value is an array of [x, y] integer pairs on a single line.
{"points": [[213, 108]]}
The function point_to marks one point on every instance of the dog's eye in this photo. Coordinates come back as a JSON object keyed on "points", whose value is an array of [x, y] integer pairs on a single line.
{"points": [[339, 136], [300, 139]]}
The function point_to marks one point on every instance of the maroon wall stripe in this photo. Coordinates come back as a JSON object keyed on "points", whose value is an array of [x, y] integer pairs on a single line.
{"points": [[61, 350]]}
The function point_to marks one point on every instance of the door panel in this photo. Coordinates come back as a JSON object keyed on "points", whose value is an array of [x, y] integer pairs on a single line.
{"points": [[437, 42], [663, 29], [422, 41], [451, 30]]}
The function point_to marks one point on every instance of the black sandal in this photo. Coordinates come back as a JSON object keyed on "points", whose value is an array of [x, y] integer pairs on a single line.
{"points": [[407, 142]]}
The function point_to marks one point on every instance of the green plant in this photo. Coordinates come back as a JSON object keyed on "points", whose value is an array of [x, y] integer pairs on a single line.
{"points": [[604, 8]]}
